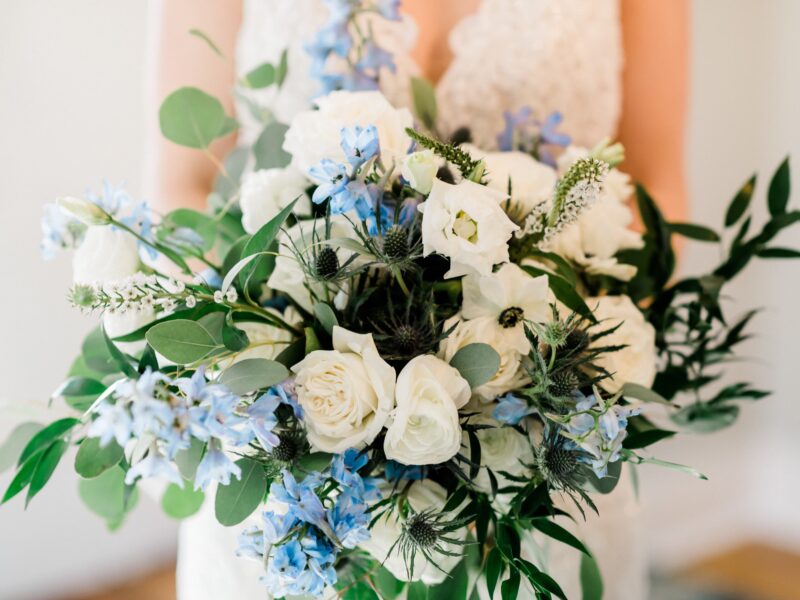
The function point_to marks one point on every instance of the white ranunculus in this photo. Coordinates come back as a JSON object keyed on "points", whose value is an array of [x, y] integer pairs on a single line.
{"points": [[266, 192], [636, 363], [422, 495], [531, 182], [602, 229], [316, 134], [419, 170], [106, 254], [346, 393], [266, 341], [511, 374], [425, 429], [466, 223], [509, 296], [305, 237]]}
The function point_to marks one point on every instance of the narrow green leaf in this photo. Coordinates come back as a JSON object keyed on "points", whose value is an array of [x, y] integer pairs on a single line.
{"points": [[740, 202], [80, 386], [268, 148], [92, 460], [694, 232], [779, 188], [639, 392], [557, 532], [642, 439], [510, 587], [21, 479], [252, 374], [282, 69], [325, 316], [494, 570], [16, 441], [45, 467], [237, 501], [203, 36], [424, 97], [477, 363], [181, 341], [454, 586], [312, 341], [539, 580], [263, 240], [181, 502], [591, 580], [190, 117], [45, 437], [779, 253], [564, 291], [120, 359]]}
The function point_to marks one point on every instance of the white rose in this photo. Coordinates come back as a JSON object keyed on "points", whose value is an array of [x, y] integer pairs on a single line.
{"points": [[636, 363], [425, 429], [602, 229], [509, 296], [531, 182], [106, 254], [316, 134], [265, 340], [511, 374], [422, 495], [419, 170], [266, 192], [304, 237], [466, 223], [347, 393]]}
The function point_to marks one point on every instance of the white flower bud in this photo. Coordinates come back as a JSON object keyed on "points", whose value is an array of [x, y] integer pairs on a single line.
{"points": [[85, 211], [419, 169]]}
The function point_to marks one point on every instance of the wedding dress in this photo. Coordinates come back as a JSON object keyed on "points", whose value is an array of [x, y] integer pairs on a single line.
{"points": [[546, 54]]}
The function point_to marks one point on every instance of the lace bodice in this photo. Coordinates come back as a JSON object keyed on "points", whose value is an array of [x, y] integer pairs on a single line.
{"points": [[546, 54]]}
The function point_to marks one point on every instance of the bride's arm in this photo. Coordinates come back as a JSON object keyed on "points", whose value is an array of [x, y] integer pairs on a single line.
{"points": [[656, 44], [176, 176]]}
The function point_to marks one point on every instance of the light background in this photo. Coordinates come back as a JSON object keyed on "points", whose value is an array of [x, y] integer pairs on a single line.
{"points": [[72, 78]]}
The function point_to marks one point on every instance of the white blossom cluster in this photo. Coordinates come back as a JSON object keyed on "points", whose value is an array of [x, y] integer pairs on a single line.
{"points": [[138, 292]]}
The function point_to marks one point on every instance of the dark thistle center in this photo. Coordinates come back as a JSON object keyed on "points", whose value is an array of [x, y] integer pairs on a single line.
{"points": [[327, 264], [287, 450], [421, 529], [561, 461], [395, 243], [511, 316], [407, 338]]}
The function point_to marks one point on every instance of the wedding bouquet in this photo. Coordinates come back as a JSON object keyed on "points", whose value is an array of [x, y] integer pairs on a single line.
{"points": [[388, 357]]}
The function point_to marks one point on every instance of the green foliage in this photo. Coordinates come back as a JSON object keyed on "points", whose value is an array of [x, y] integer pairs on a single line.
{"points": [[92, 460], [57, 430], [477, 363], [470, 168], [564, 291], [237, 501], [252, 374], [108, 497], [188, 459], [16, 441], [424, 97], [182, 341], [268, 148], [181, 502], [209, 42], [184, 218], [190, 117], [694, 232], [591, 580], [326, 317], [260, 77]]}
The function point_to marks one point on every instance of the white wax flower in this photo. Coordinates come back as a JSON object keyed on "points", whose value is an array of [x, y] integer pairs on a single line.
{"points": [[106, 254], [419, 170], [316, 134], [511, 374], [636, 362], [509, 296], [422, 495], [346, 393], [466, 223], [530, 181], [425, 427], [602, 229], [266, 192]]}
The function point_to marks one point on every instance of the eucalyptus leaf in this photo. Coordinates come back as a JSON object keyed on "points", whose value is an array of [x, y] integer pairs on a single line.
{"points": [[237, 501], [252, 374], [181, 341], [268, 148], [264, 75], [190, 117], [477, 363], [92, 460], [80, 386], [326, 317], [639, 392], [106, 496], [188, 459], [181, 502]]}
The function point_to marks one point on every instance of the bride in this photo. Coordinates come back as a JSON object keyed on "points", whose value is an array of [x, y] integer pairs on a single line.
{"points": [[486, 57]]}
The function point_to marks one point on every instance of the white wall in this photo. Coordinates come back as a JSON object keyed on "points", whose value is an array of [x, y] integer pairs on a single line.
{"points": [[71, 103], [71, 108]]}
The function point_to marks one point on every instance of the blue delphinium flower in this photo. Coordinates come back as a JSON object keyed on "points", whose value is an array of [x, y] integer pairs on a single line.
{"points": [[261, 415], [548, 133], [287, 563], [210, 277], [154, 465], [375, 58], [390, 9], [359, 144], [349, 518], [301, 498], [113, 422], [215, 467], [60, 231], [395, 471], [252, 543], [331, 178], [524, 132], [511, 410], [516, 123]]}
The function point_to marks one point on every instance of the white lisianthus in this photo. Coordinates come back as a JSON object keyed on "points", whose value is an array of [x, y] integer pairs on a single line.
{"points": [[602, 229], [266, 192], [511, 374], [316, 134], [636, 362], [466, 223], [419, 170], [425, 429], [530, 181], [422, 495], [510, 297], [289, 276], [265, 340], [346, 393], [106, 254]]}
